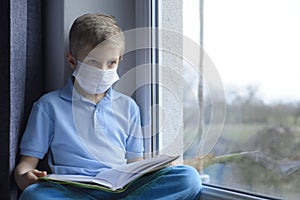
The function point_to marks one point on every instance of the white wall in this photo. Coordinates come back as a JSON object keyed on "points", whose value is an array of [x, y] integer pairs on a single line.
{"points": [[170, 77]]}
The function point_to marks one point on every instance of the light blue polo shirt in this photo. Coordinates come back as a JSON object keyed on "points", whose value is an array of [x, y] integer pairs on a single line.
{"points": [[83, 137]]}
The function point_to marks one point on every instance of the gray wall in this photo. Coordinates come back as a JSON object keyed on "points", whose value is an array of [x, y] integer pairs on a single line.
{"points": [[59, 17]]}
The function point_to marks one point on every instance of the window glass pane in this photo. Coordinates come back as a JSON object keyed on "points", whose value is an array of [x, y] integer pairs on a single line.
{"points": [[255, 46]]}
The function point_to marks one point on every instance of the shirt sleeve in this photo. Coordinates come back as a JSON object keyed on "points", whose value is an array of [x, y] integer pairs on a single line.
{"points": [[135, 141], [38, 134]]}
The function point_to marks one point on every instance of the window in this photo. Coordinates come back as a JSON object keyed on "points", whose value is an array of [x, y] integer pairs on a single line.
{"points": [[255, 46]]}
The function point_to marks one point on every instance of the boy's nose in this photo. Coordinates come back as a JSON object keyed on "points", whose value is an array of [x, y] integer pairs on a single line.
{"points": [[103, 67]]}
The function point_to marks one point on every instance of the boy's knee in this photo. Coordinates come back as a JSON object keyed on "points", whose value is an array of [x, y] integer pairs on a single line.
{"points": [[189, 178], [30, 193], [44, 190]]}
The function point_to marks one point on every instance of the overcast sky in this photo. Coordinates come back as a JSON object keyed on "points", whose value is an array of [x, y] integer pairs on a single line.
{"points": [[251, 42]]}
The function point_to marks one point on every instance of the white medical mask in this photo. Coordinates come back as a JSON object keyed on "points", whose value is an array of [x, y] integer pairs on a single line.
{"points": [[94, 80]]}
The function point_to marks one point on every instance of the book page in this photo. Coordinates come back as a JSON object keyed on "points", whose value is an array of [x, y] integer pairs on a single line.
{"points": [[118, 177], [124, 174]]}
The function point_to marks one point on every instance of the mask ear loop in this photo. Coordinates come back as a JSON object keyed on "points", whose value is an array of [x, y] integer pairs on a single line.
{"points": [[78, 64]]}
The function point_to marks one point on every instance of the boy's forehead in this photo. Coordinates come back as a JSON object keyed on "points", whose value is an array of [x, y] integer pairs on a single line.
{"points": [[104, 52]]}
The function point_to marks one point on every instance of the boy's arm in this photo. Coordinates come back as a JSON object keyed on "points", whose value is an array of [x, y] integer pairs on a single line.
{"points": [[25, 172]]}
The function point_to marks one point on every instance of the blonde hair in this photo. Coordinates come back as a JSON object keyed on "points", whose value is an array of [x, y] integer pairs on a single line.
{"points": [[89, 30]]}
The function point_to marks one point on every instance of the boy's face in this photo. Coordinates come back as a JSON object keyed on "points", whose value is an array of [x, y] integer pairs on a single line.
{"points": [[102, 57]]}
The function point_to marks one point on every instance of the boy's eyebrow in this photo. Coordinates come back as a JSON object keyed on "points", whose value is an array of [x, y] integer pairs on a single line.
{"points": [[113, 59], [89, 57], [94, 57]]}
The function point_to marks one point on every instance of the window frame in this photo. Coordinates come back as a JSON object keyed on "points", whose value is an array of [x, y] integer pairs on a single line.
{"points": [[211, 192], [146, 12]]}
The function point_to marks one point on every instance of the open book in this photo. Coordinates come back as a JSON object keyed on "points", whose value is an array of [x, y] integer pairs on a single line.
{"points": [[114, 179]]}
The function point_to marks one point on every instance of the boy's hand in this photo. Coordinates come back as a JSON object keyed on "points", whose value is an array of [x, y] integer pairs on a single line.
{"points": [[25, 172], [28, 178]]}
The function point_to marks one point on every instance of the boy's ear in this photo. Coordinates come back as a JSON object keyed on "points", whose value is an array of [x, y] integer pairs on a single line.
{"points": [[71, 60]]}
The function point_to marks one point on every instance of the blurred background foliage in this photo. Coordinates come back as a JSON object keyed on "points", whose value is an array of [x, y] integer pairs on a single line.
{"points": [[259, 148]]}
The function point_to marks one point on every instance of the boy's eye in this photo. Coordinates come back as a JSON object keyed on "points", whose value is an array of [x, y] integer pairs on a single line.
{"points": [[92, 62], [112, 63]]}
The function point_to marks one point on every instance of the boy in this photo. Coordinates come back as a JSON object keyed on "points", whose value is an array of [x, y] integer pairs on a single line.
{"points": [[87, 126]]}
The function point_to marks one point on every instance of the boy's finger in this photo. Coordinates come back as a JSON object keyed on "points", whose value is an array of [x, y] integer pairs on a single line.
{"points": [[39, 173]]}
